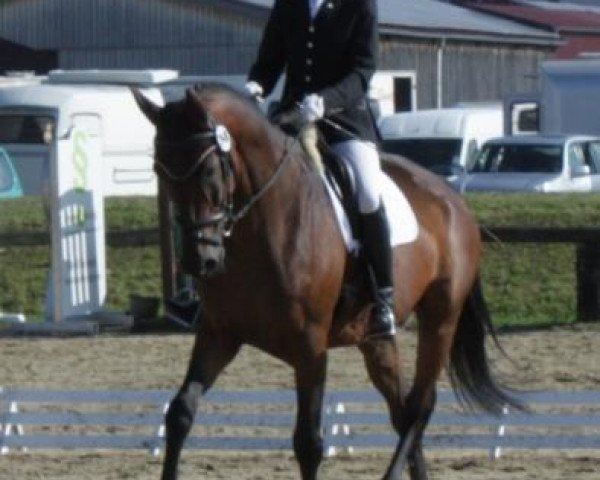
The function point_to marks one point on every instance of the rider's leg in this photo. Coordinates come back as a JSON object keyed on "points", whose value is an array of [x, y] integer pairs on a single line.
{"points": [[364, 161]]}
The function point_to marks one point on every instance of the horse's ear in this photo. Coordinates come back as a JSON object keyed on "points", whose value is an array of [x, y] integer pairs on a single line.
{"points": [[148, 108], [191, 95], [192, 98]]}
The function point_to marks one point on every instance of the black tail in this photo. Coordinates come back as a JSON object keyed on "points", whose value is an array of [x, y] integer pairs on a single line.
{"points": [[469, 368]]}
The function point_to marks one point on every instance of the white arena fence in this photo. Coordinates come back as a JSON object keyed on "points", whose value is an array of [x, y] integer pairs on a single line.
{"points": [[264, 420]]}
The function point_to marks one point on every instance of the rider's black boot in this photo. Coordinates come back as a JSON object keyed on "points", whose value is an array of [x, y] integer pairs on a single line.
{"points": [[378, 253]]}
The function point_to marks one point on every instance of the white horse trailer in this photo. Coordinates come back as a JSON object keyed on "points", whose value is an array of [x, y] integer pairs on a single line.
{"points": [[34, 116], [76, 138]]}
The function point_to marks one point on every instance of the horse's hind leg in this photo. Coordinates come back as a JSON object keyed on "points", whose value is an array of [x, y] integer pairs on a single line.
{"points": [[209, 356], [438, 316], [383, 364]]}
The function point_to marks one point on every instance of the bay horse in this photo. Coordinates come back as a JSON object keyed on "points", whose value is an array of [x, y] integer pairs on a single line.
{"points": [[274, 272]]}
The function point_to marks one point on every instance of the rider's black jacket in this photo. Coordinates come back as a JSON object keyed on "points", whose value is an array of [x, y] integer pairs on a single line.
{"points": [[333, 55]]}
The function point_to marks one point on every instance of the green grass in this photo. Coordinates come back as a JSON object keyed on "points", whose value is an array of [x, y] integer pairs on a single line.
{"points": [[525, 284], [532, 284], [24, 270], [547, 210]]}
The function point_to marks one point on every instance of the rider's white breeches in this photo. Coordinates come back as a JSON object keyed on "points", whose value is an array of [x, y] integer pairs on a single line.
{"points": [[363, 159]]}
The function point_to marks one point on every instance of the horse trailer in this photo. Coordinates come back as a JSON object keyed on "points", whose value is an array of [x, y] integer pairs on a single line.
{"points": [[33, 116], [568, 101]]}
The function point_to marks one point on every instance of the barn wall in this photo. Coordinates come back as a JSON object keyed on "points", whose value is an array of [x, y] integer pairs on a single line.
{"points": [[191, 37], [471, 72], [198, 37]]}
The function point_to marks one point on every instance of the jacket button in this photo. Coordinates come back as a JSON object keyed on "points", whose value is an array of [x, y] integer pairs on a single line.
{"points": [[307, 78], [309, 44], [309, 61], [311, 29]]}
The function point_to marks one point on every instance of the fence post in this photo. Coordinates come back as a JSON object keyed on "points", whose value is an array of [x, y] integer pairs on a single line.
{"points": [[500, 431], [9, 429], [335, 429], [588, 282], [160, 432]]}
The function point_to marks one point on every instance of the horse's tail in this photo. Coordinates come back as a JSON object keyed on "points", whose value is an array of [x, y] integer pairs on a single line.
{"points": [[469, 369]]}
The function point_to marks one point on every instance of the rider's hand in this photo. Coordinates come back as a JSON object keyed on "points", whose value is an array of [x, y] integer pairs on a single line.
{"points": [[312, 108], [254, 91]]}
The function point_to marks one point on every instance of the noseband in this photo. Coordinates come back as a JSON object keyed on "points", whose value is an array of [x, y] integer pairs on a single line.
{"points": [[221, 145]]}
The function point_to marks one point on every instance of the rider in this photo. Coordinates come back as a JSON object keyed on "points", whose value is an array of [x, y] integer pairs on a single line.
{"points": [[328, 49]]}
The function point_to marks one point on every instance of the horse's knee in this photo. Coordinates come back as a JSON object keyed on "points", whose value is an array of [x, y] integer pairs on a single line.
{"points": [[180, 416]]}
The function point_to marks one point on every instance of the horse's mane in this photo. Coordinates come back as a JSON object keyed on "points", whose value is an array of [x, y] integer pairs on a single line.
{"points": [[228, 98], [217, 96]]}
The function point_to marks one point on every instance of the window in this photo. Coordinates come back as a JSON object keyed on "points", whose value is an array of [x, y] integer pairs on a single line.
{"points": [[435, 154], [520, 159], [576, 157], [26, 129], [593, 156]]}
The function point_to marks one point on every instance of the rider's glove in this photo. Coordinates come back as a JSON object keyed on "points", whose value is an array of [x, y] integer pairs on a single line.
{"points": [[312, 108], [254, 91]]}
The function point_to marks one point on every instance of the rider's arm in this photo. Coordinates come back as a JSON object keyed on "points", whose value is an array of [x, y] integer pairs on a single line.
{"points": [[271, 53]]}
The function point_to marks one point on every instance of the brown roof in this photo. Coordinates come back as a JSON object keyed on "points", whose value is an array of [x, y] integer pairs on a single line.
{"points": [[555, 19], [576, 46], [579, 29]]}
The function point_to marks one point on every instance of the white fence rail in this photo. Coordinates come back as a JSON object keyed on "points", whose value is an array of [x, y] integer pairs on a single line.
{"points": [[263, 420]]}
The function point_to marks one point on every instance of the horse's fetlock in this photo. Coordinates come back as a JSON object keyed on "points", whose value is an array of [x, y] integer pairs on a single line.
{"points": [[309, 443], [180, 416]]}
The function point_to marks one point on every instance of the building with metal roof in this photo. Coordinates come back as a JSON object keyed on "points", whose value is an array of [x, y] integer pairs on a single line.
{"points": [[577, 23], [448, 53]]}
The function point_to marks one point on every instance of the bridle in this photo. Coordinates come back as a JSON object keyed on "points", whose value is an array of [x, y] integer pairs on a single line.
{"points": [[221, 146]]}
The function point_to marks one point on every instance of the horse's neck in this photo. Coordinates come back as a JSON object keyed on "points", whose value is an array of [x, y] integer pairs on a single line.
{"points": [[274, 163], [285, 214], [267, 157], [295, 205]]}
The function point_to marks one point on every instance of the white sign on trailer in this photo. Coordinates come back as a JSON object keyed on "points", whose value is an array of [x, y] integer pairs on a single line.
{"points": [[77, 219]]}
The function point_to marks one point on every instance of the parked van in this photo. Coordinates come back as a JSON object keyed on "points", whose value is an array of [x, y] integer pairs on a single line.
{"points": [[33, 116], [445, 141]]}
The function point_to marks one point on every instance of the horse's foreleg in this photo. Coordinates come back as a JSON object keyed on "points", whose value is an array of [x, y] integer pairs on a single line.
{"points": [[209, 357], [308, 442], [179, 421]]}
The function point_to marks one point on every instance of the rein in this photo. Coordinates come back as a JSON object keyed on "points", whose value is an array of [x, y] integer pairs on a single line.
{"points": [[187, 143], [235, 216]]}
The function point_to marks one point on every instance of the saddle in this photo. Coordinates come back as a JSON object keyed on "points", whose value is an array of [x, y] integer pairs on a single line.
{"points": [[341, 181]]}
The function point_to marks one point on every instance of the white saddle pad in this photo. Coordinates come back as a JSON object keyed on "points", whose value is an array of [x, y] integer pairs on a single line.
{"points": [[401, 217]]}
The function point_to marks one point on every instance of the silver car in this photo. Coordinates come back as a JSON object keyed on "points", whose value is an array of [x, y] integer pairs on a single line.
{"points": [[535, 163]]}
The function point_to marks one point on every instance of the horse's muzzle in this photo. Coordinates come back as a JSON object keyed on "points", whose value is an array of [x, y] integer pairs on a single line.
{"points": [[210, 266], [202, 258], [211, 260]]}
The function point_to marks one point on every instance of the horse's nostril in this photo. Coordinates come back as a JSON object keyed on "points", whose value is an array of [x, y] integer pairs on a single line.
{"points": [[210, 265]]}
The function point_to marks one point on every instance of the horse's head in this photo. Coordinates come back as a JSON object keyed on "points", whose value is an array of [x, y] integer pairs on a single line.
{"points": [[192, 158]]}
